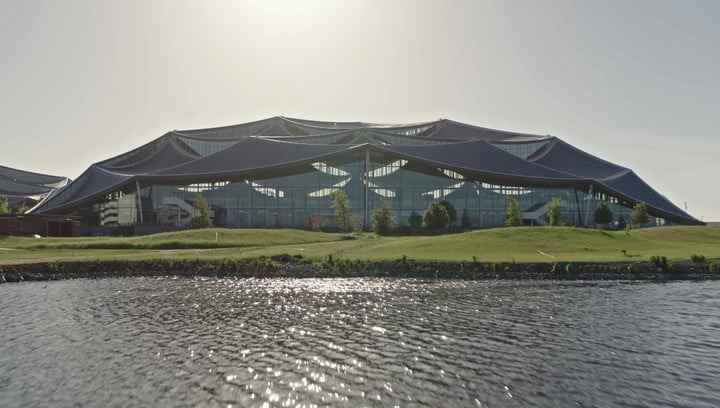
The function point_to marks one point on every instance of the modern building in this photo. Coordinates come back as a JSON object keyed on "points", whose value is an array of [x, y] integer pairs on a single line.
{"points": [[281, 172], [26, 189]]}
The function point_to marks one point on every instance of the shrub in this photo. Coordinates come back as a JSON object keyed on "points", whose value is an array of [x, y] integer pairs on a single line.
{"points": [[603, 215], [640, 214], [465, 222], [382, 220], [356, 222], [341, 205], [415, 220], [698, 259], [202, 220], [513, 215], [436, 217], [452, 213], [660, 262], [4, 206], [554, 213]]}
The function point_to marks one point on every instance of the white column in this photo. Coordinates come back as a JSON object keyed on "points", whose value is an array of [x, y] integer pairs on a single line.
{"points": [[139, 201]]}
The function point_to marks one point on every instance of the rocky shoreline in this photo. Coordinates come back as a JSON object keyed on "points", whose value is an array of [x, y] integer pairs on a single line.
{"points": [[286, 266]]}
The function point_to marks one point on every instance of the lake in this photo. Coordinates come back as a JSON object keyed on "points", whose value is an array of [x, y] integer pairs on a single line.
{"points": [[358, 342]]}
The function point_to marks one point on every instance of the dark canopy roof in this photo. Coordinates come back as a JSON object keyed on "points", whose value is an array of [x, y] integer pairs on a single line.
{"points": [[251, 154], [480, 158], [93, 183], [609, 177], [167, 152], [281, 146], [564, 157], [20, 183], [28, 177], [12, 188]]}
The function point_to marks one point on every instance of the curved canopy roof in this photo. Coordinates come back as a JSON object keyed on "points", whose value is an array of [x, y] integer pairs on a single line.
{"points": [[280, 146], [608, 177], [20, 183], [482, 159]]}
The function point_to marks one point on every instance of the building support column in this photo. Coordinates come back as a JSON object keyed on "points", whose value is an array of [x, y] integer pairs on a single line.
{"points": [[366, 190], [481, 219], [252, 204], [578, 209], [590, 202], [139, 201]]}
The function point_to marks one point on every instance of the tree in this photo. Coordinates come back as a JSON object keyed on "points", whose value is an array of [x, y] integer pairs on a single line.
{"points": [[4, 206], [341, 205], [513, 215], [554, 213], [436, 217], [415, 220], [382, 220], [603, 215], [452, 214], [202, 220], [640, 214], [465, 221]]}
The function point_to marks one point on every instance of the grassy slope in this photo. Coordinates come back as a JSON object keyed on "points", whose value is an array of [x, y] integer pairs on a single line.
{"points": [[182, 243], [190, 239], [527, 245], [495, 245]]}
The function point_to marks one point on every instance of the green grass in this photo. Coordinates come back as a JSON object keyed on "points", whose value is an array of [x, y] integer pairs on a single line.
{"points": [[538, 244], [190, 239]]}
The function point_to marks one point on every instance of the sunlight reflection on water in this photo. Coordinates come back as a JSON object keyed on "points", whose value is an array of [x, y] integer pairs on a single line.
{"points": [[317, 342]]}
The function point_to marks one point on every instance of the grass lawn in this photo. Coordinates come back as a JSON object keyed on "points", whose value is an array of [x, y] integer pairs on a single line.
{"points": [[538, 244]]}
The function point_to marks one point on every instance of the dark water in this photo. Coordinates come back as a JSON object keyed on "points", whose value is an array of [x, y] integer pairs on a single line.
{"points": [[358, 342]]}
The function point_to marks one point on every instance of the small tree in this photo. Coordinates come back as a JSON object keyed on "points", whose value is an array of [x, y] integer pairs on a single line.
{"points": [[513, 215], [452, 213], [603, 215], [382, 220], [4, 206], [415, 220], [341, 205], [640, 214], [436, 217], [202, 220], [554, 213], [465, 222], [356, 223]]}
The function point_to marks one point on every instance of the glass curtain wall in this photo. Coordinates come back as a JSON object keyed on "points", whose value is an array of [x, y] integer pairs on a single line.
{"points": [[304, 200]]}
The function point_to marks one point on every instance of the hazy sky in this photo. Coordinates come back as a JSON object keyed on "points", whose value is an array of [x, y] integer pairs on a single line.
{"points": [[636, 82]]}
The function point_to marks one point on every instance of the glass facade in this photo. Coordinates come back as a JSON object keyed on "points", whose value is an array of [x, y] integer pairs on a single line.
{"points": [[521, 150], [281, 172], [303, 200]]}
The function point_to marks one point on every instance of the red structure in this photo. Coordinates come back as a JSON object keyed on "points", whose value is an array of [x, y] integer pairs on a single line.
{"points": [[40, 225]]}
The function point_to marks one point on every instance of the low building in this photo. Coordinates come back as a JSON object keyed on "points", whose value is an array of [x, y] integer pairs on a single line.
{"points": [[42, 225], [281, 172], [25, 189]]}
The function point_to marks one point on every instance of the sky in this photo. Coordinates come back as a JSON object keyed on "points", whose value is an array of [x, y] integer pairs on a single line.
{"points": [[635, 82]]}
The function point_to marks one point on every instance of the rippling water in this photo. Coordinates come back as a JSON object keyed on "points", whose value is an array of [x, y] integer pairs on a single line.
{"points": [[358, 342]]}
